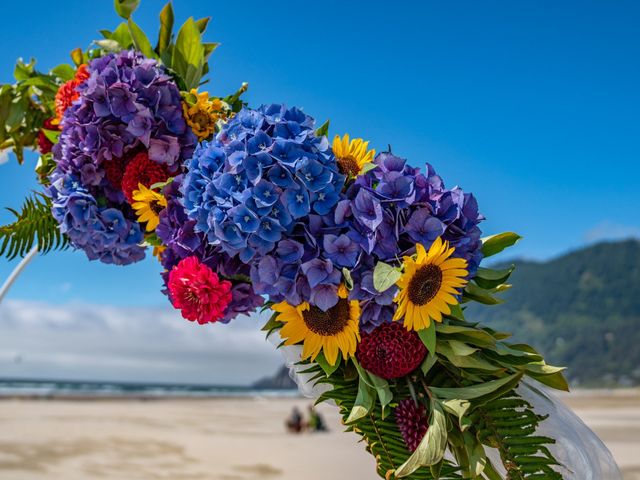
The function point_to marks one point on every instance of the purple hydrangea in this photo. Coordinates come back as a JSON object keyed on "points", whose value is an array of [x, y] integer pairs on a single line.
{"points": [[128, 104], [264, 191], [390, 209], [177, 232]]}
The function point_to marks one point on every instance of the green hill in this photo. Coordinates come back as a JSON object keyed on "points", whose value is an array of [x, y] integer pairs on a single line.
{"points": [[581, 310]]}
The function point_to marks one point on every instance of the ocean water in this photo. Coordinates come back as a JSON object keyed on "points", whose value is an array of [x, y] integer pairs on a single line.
{"points": [[10, 388]]}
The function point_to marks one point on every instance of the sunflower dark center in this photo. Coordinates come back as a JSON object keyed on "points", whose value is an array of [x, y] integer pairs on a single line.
{"points": [[328, 323], [425, 284], [349, 166]]}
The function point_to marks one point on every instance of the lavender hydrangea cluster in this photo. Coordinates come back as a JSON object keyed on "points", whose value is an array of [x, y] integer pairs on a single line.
{"points": [[261, 191], [177, 233], [127, 105], [390, 209]]}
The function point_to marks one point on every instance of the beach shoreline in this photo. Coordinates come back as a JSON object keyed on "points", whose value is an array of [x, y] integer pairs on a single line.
{"points": [[220, 438]]}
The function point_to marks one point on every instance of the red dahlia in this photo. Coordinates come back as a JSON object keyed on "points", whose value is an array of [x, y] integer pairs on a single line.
{"points": [[44, 144], [391, 351], [67, 93], [142, 170], [412, 422], [196, 290]]}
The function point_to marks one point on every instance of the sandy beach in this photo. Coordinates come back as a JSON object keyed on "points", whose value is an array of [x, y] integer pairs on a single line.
{"points": [[225, 439]]}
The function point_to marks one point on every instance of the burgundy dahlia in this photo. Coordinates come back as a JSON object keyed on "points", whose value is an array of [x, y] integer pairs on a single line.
{"points": [[412, 422], [391, 351]]}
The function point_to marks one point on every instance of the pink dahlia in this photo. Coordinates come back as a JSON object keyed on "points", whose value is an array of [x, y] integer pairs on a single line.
{"points": [[197, 291]]}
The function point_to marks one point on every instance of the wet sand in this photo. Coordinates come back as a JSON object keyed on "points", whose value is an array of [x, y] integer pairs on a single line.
{"points": [[225, 439]]}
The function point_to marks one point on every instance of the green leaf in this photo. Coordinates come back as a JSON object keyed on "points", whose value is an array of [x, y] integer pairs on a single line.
{"points": [[188, 55], [64, 72], [323, 130], [432, 447], [490, 278], [326, 366], [385, 276], [428, 336], [77, 56], [428, 363], [460, 348], [140, 40], [348, 279], [480, 295], [497, 243], [33, 225], [202, 24], [380, 385], [272, 325], [476, 391], [476, 454], [368, 167], [122, 35], [456, 407], [364, 402], [166, 28], [52, 135], [125, 8]]}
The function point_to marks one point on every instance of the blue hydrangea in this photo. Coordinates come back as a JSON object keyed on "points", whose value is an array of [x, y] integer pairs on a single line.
{"points": [[103, 232], [259, 189], [265, 172]]}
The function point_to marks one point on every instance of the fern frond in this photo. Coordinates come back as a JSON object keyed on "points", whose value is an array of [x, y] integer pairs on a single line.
{"points": [[34, 225], [509, 424]]}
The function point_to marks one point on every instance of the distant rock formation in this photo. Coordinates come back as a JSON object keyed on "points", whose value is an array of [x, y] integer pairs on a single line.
{"points": [[280, 381]]}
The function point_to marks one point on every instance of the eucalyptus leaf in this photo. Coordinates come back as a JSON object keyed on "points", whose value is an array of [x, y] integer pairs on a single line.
{"points": [[495, 244], [431, 449], [385, 276]]}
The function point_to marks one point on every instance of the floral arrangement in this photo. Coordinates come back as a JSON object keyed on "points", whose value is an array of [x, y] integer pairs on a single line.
{"points": [[366, 262]]}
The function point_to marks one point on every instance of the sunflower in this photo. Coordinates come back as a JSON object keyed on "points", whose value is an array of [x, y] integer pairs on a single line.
{"points": [[352, 155], [331, 332], [429, 285], [203, 113], [148, 205]]}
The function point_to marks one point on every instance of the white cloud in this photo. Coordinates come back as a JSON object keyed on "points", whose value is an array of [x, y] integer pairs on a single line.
{"points": [[607, 230], [131, 344], [4, 156]]}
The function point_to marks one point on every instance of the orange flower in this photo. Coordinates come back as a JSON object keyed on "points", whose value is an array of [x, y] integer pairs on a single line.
{"points": [[68, 93]]}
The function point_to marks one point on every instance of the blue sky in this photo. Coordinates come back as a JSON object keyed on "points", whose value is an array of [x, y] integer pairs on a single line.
{"points": [[531, 105]]}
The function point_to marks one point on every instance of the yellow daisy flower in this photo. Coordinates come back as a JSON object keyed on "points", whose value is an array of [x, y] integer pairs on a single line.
{"points": [[352, 155], [429, 284], [148, 205], [332, 332], [203, 115]]}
